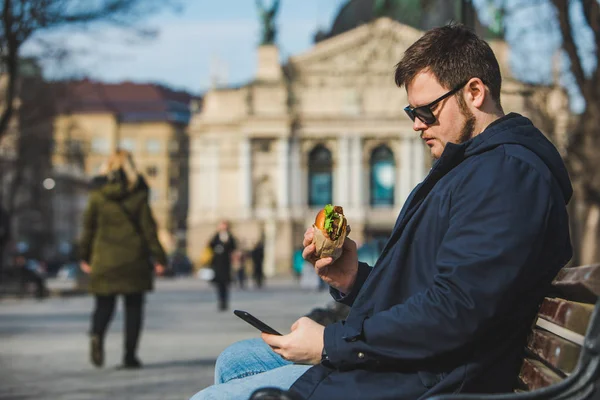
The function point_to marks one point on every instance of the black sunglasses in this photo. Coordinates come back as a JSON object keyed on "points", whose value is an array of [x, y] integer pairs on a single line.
{"points": [[424, 113]]}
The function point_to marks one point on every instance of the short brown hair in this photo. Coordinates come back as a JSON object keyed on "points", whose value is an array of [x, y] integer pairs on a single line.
{"points": [[454, 54]]}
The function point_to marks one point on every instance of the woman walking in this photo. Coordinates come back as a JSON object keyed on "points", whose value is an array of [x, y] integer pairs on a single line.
{"points": [[120, 251]]}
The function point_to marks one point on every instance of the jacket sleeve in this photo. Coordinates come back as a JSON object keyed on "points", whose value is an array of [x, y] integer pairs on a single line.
{"points": [[89, 230], [148, 225], [498, 218], [348, 298]]}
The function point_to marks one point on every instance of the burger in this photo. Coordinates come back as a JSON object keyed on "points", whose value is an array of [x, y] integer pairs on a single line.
{"points": [[330, 232]]}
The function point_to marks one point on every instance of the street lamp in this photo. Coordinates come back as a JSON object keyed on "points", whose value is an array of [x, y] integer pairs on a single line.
{"points": [[49, 183]]}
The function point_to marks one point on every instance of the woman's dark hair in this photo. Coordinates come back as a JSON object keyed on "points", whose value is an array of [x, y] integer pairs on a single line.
{"points": [[454, 54]]}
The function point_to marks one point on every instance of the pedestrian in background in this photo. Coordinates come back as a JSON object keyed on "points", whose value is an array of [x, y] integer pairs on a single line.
{"points": [[238, 264], [120, 250], [298, 264], [4, 236], [29, 271], [222, 244], [258, 255]]}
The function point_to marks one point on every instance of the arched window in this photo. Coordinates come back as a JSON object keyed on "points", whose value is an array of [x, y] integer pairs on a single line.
{"points": [[383, 176], [320, 181]]}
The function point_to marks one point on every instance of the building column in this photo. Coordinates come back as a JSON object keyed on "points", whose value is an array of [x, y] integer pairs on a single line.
{"points": [[283, 178], [295, 175], [213, 174], [406, 168], [356, 181], [196, 179], [419, 161], [303, 176], [270, 231], [341, 177], [115, 137], [245, 178]]}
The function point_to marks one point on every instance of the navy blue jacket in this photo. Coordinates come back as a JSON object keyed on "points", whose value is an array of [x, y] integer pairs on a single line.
{"points": [[449, 303]]}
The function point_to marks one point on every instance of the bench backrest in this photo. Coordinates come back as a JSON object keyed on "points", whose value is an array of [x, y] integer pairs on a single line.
{"points": [[554, 346]]}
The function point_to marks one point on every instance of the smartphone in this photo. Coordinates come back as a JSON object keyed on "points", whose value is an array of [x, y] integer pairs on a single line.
{"points": [[255, 322]]}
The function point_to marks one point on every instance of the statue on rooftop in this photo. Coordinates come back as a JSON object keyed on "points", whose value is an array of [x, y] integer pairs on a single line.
{"points": [[267, 17], [383, 8]]}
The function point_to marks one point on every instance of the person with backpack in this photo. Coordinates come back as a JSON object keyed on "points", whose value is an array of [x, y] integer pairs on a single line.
{"points": [[120, 251]]}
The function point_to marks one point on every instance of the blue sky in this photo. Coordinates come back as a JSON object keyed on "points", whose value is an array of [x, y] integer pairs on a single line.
{"points": [[208, 36], [222, 34]]}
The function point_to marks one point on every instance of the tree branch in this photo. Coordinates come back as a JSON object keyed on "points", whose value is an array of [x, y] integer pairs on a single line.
{"points": [[20, 19], [11, 67], [591, 11], [562, 10]]}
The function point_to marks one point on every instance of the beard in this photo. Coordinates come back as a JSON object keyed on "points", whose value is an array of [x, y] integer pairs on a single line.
{"points": [[466, 132]]}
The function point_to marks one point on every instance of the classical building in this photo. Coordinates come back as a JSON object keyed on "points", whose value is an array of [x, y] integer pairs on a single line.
{"points": [[325, 127], [148, 120]]}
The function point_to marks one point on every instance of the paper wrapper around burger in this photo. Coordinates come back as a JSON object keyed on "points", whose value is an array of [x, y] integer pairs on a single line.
{"points": [[326, 247]]}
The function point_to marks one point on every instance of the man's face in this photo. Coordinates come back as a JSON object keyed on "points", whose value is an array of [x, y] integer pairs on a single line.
{"points": [[222, 227], [454, 123]]}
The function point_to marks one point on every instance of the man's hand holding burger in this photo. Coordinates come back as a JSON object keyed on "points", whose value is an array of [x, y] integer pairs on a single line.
{"points": [[341, 272]]}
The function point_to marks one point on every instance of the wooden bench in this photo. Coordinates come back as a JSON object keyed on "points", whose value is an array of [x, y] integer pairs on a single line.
{"points": [[563, 351]]}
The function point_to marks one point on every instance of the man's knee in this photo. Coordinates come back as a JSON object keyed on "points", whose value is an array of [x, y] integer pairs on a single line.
{"points": [[231, 360]]}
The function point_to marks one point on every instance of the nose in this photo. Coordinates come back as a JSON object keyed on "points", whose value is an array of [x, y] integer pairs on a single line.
{"points": [[419, 125]]}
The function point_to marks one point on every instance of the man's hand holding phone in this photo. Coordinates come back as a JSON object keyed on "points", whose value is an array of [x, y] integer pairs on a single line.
{"points": [[303, 345]]}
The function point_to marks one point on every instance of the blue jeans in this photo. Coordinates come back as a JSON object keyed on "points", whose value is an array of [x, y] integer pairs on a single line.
{"points": [[246, 366]]}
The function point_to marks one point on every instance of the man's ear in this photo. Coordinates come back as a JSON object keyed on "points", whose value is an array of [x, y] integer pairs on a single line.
{"points": [[476, 92]]}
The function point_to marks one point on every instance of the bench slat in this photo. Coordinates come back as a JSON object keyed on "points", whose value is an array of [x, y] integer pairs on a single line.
{"points": [[555, 343], [554, 350], [579, 283], [567, 314], [560, 331], [535, 375]]}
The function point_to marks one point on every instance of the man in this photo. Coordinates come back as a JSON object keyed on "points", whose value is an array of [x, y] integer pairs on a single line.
{"points": [[448, 305], [223, 244], [258, 255]]}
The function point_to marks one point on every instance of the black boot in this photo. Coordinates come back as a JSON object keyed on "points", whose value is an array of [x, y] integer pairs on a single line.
{"points": [[97, 351], [131, 363], [133, 326]]}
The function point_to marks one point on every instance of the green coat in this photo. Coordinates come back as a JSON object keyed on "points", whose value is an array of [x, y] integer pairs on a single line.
{"points": [[111, 244]]}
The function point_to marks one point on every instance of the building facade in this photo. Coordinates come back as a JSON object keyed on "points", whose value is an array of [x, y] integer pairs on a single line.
{"points": [[325, 127], [150, 121]]}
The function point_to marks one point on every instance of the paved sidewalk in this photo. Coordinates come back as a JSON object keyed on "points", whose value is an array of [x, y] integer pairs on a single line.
{"points": [[44, 346]]}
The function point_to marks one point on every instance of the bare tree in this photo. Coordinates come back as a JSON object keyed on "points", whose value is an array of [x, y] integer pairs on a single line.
{"points": [[584, 140], [21, 19], [571, 21]]}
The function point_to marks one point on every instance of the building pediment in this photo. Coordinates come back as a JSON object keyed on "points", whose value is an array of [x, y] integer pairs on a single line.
{"points": [[373, 48]]}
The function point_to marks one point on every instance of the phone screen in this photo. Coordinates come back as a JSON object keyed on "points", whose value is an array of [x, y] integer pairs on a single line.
{"points": [[255, 322]]}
